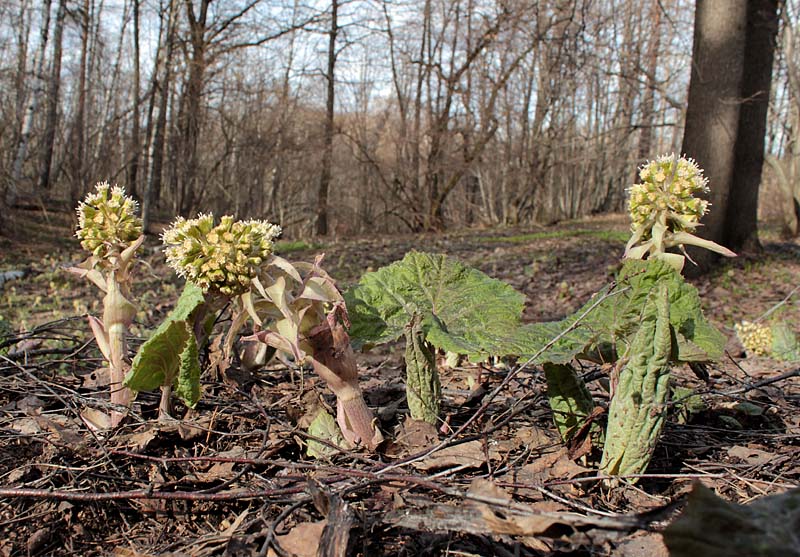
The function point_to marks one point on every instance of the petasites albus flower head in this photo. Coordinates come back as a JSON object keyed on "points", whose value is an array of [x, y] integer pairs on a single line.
{"points": [[107, 221], [220, 258], [756, 338], [665, 209]]}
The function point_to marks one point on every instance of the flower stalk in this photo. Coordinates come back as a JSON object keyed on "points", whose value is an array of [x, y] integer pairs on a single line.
{"points": [[111, 231]]}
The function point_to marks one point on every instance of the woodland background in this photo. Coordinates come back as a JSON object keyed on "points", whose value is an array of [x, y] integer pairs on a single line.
{"points": [[344, 117]]}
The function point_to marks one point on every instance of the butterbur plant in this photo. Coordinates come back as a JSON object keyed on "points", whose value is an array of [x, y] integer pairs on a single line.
{"points": [[665, 211], [774, 339], [111, 231], [302, 313], [219, 262]]}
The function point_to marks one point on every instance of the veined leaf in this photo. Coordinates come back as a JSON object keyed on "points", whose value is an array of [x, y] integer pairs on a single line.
{"points": [[615, 319], [569, 398], [158, 359], [187, 385], [164, 358], [462, 309], [636, 413]]}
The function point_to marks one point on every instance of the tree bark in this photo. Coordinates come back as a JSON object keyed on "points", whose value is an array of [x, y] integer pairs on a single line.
{"points": [[712, 116], [48, 144], [741, 220], [12, 189], [327, 154]]}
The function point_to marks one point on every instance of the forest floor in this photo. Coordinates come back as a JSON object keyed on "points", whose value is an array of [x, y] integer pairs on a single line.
{"points": [[232, 477]]}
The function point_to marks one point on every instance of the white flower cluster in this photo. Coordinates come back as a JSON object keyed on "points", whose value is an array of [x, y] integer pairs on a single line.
{"points": [[756, 339], [223, 258], [107, 221], [668, 190]]}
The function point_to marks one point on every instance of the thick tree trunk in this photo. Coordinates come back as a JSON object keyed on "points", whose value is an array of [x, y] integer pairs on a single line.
{"points": [[741, 221], [712, 116]]}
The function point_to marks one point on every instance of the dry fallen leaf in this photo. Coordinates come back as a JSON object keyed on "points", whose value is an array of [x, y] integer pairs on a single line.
{"points": [[302, 541], [469, 455], [751, 456]]}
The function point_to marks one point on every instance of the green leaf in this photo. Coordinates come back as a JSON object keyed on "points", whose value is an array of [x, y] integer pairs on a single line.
{"points": [[636, 413], [784, 342], [187, 385], [423, 390], [164, 357], [157, 361], [191, 298], [462, 309], [569, 398], [324, 427], [616, 318]]}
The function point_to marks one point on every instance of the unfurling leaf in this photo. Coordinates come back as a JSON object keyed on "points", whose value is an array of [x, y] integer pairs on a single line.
{"points": [[324, 427], [170, 356], [423, 389], [636, 414]]}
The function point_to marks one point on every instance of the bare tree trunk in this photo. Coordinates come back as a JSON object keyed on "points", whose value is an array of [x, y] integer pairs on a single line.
{"points": [[712, 116], [327, 153], [648, 103], [12, 189], [156, 154], [133, 171], [48, 144], [191, 112], [741, 220], [77, 136], [726, 117]]}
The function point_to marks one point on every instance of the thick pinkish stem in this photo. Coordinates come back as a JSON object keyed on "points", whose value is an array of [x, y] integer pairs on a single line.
{"points": [[335, 363]]}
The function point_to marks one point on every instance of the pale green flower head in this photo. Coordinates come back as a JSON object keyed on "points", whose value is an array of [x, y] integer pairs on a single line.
{"points": [[669, 191], [756, 338], [107, 221], [665, 209], [223, 258]]}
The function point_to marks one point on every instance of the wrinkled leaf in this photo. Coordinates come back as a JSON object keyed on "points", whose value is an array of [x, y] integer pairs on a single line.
{"points": [[636, 413], [187, 386], [423, 390], [462, 309], [165, 357], [158, 360], [614, 320]]}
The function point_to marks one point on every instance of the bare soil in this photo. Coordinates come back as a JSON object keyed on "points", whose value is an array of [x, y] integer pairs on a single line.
{"points": [[231, 477]]}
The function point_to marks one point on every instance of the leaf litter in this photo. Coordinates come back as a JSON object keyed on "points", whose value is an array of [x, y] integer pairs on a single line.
{"points": [[232, 477]]}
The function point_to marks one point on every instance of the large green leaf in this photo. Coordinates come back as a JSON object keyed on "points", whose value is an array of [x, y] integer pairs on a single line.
{"points": [[462, 309], [170, 355], [157, 361], [612, 317]]}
